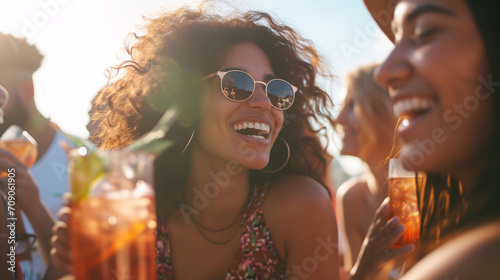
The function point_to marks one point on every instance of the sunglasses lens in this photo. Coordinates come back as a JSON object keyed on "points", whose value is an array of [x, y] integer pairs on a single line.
{"points": [[280, 93], [237, 86]]}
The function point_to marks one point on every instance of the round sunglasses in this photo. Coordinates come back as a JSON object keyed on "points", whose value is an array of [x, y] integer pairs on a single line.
{"points": [[238, 86]]}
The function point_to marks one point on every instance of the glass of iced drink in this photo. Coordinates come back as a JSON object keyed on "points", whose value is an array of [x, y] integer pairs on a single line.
{"points": [[403, 202], [20, 144], [113, 220]]}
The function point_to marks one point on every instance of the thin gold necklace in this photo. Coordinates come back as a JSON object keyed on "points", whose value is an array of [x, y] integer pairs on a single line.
{"points": [[215, 230], [199, 226], [212, 241]]}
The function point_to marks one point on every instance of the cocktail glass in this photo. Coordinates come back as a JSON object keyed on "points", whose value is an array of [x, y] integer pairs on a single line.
{"points": [[113, 220], [20, 144], [403, 202]]}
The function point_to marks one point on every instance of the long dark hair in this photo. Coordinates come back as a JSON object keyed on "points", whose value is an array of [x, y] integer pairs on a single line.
{"points": [[167, 62]]}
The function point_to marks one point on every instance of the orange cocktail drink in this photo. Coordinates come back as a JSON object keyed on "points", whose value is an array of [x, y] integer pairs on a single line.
{"points": [[20, 144], [113, 220], [403, 202], [23, 149], [114, 239]]}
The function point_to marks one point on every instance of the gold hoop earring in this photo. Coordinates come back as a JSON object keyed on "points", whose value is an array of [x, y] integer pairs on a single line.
{"points": [[273, 166], [189, 141]]}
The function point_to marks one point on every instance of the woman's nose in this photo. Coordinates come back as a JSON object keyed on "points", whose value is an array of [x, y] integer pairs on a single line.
{"points": [[342, 117], [394, 71], [259, 98]]}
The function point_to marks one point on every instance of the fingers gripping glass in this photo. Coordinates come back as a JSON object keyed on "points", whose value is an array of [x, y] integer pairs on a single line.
{"points": [[239, 86]]}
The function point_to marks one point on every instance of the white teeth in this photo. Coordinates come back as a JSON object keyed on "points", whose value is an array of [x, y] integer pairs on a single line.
{"points": [[257, 136], [406, 106], [254, 125]]}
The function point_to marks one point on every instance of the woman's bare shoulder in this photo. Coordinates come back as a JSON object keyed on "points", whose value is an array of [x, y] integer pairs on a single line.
{"points": [[296, 194], [473, 254], [298, 205], [296, 188]]}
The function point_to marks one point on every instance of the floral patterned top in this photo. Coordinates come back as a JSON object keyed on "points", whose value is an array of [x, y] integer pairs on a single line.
{"points": [[256, 257]]}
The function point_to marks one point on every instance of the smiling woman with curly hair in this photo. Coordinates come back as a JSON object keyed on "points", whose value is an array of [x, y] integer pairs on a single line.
{"points": [[242, 193]]}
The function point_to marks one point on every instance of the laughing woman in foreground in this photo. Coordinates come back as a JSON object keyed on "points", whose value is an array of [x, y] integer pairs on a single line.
{"points": [[445, 69], [241, 195]]}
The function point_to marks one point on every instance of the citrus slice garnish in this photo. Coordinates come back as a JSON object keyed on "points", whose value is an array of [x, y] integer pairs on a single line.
{"points": [[86, 167]]}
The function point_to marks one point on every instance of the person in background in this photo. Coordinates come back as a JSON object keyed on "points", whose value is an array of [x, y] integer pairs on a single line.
{"points": [[18, 61], [443, 76], [366, 125], [9, 267], [19, 193], [267, 220]]}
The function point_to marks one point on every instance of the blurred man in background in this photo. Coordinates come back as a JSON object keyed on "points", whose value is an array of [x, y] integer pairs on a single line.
{"points": [[18, 61]]}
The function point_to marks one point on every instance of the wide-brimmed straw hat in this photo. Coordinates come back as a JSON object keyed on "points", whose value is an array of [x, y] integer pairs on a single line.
{"points": [[382, 12]]}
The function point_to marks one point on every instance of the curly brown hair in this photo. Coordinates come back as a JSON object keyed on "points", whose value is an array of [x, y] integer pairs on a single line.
{"points": [[167, 64]]}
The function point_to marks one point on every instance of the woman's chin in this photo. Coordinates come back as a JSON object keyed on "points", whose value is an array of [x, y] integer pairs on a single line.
{"points": [[414, 158], [256, 163]]}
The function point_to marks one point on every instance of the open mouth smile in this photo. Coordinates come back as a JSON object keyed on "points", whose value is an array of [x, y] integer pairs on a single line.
{"points": [[412, 107], [256, 130]]}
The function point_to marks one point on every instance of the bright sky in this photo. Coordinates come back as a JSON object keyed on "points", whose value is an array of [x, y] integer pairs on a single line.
{"points": [[81, 38]]}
